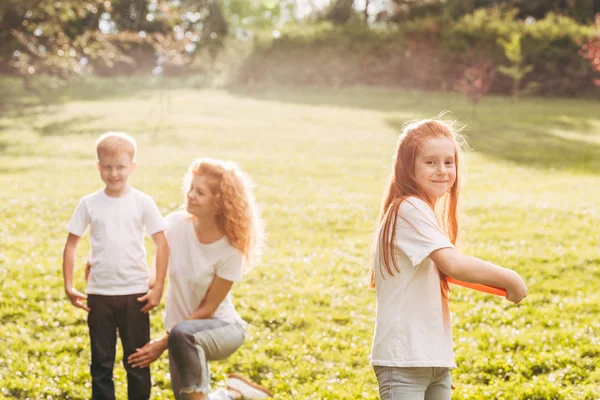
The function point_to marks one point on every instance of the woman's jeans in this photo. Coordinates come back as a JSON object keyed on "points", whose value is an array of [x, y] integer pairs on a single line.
{"points": [[192, 344], [418, 383]]}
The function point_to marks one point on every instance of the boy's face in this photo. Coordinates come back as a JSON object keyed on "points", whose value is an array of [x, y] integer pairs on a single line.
{"points": [[115, 170]]}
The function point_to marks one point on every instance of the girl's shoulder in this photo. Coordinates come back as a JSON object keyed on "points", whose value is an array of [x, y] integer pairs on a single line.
{"points": [[415, 206]]}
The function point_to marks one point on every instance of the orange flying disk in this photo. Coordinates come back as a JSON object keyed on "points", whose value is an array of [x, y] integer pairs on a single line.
{"points": [[482, 288]]}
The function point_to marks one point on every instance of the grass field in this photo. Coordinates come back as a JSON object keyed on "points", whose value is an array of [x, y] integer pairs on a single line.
{"points": [[319, 159]]}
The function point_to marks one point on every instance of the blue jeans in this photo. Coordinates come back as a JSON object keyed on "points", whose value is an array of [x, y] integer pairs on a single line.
{"points": [[192, 344], [414, 383]]}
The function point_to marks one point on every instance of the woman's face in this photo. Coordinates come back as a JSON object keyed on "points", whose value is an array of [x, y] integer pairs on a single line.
{"points": [[200, 200]]}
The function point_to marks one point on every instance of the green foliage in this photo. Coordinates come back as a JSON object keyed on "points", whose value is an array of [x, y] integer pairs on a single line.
{"points": [[580, 10], [427, 53], [516, 71], [319, 159], [326, 54]]}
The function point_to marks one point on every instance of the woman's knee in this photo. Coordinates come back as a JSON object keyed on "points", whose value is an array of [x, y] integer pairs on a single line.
{"points": [[178, 335]]}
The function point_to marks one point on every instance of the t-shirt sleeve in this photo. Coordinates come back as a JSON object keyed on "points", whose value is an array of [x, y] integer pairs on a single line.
{"points": [[80, 220], [418, 233], [152, 217], [230, 267]]}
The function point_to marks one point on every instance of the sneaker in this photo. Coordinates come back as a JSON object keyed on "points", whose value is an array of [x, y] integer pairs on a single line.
{"points": [[220, 394], [248, 389]]}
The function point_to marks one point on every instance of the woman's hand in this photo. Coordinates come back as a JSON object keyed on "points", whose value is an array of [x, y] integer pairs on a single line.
{"points": [[143, 357]]}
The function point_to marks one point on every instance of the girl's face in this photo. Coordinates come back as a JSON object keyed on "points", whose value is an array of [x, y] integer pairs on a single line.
{"points": [[435, 167], [200, 200]]}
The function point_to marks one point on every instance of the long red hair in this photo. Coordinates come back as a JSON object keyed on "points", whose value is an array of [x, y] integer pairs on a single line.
{"points": [[402, 184]]}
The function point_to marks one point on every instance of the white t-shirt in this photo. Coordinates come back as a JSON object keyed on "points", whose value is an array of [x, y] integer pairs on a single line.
{"points": [[118, 255], [413, 327], [192, 268]]}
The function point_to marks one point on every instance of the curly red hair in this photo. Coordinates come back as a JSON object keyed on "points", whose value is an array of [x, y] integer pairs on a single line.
{"points": [[240, 219]]}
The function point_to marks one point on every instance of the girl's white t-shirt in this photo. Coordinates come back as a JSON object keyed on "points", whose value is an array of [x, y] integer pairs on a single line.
{"points": [[413, 327], [117, 254], [193, 267]]}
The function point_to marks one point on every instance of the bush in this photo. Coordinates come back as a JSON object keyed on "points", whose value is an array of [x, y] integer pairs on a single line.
{"points": [[429, 53]]}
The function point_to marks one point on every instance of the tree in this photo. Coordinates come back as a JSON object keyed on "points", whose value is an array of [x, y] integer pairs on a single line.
{"points": [[340, 11], [591, 50], [68, 37], [476, 81], [517, 70]]}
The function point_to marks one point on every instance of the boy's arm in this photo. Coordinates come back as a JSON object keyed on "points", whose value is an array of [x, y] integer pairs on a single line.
{"points": [[161, 260], [68, 265], [474, 270]]}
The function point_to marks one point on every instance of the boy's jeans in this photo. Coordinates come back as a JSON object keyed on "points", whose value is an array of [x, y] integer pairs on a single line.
{"points": [[192, 344], [107, 314], [414, 383]]}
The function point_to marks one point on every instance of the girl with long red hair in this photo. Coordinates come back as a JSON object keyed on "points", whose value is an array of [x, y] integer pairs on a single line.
{"points": [[413, 257]]}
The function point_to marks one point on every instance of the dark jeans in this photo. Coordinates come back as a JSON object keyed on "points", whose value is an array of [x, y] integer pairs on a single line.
{"points": [[109, 314]]}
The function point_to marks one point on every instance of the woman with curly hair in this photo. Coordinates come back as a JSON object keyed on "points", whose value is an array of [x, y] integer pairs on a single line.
{"points": [[212, 241]]}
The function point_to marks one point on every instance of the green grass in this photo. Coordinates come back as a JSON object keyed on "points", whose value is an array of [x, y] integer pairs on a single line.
{"points": [[319, 160]]}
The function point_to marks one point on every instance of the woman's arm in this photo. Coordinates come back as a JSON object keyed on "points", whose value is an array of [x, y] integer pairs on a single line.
{"points": [[216, 293], [143, 357], [474, 270]]}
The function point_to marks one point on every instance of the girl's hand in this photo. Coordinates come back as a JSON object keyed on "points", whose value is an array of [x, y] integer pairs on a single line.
{"points": [[143, 357], [517, 291]]}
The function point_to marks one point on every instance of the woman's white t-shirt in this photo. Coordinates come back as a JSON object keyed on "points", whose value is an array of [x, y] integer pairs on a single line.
{"points": [[413, 327], [193, 267]]}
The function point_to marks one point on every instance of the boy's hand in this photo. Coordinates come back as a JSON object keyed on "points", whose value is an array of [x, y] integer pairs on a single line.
{"points": [[152, 299], [76, 298]]}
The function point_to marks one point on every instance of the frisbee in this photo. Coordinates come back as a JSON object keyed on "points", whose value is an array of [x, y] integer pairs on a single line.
{"points": [[482, 288]]}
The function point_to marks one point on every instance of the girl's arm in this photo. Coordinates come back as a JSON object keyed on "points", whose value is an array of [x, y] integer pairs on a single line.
{"points": [[216, 293], [475, 270]]}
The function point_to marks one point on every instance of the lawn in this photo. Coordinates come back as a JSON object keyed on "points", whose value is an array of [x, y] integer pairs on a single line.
{"points": [[319, 159]]}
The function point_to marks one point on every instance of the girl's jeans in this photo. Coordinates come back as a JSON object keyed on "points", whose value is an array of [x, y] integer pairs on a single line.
{"points": [[192, 344], [418, 383]]}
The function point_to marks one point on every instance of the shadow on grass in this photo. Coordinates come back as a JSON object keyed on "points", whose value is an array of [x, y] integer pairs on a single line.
{"points": [[51, 90], [363, 98], [70, 126], [551, 133], [533, 145]]}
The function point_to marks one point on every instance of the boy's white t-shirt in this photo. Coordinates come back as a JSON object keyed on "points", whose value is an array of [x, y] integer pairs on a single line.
{"points": [[118, 254], [413, 327], [193, 267]]}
